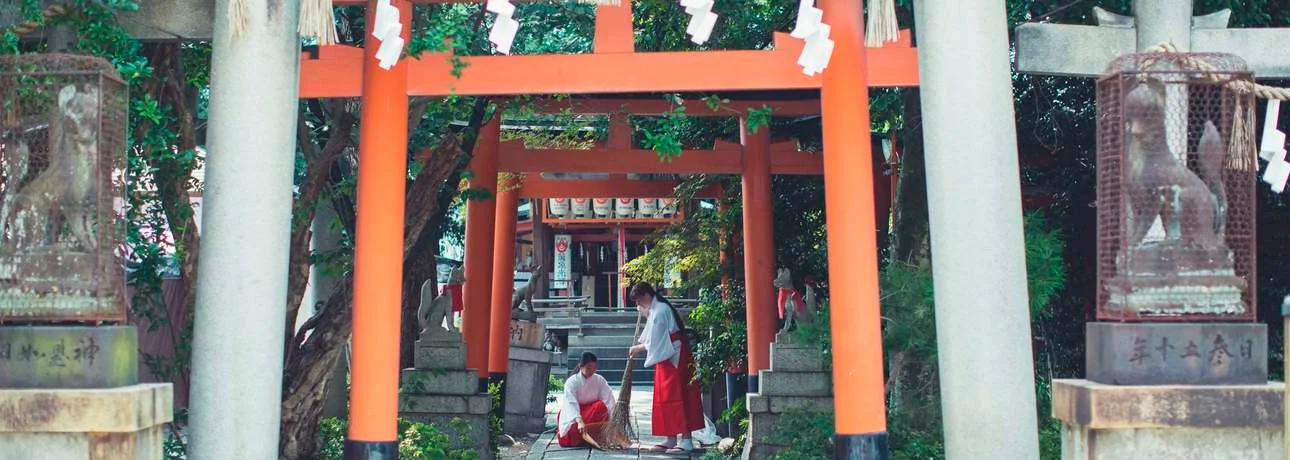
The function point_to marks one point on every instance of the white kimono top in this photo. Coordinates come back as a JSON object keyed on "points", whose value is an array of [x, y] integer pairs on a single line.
{"points": [[657, 336], [579, 390]]}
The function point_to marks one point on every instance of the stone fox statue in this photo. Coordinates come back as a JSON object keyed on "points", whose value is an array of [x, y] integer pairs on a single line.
{"points": [[433, 310], [1159, 185], [790, 301], [524, 294], [64, 191]]}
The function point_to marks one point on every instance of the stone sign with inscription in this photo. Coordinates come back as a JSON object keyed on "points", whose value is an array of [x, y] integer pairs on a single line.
{"points": [[68, 356], [1181, 353]]}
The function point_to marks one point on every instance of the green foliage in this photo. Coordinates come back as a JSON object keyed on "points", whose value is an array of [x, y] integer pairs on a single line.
{"points": [[819, 331], [721, 319], [554, 387], [416, 441], [910, 340], [808, 435], [496, 428]]}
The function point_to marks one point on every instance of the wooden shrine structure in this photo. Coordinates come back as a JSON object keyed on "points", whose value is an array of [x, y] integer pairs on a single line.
{"points": [[616, 68]]}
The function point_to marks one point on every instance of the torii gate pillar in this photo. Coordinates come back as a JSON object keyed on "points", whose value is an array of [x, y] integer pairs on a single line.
{"points": [[858, 395], [378, 251]]}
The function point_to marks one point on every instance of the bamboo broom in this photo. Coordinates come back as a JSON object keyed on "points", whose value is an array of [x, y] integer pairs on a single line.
{"points": [[618, 434]]}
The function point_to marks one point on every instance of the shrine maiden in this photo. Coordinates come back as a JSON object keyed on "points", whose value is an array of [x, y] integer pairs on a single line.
{"points": [[677, 410], [586, 407]]}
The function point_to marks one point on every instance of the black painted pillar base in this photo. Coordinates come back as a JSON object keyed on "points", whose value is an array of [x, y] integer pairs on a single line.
{"points": [[869, 446], [736, 390], [753, 384], [499, 378], [371, 450], [483, 385]]}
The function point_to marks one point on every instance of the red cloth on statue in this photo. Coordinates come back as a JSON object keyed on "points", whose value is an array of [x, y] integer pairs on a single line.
{"points": [[592, 412], [784, 295], [454, 291], [678, 408]]}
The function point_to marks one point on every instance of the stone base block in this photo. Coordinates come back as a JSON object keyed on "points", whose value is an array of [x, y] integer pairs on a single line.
{"points": [[438, 355], [456, 382], [468, 431], [779, 383], [796, 358], [1177, 353], [764, 415], [1176, 422], [528, 378], [72, 424], [69, 356], [472, 405]]}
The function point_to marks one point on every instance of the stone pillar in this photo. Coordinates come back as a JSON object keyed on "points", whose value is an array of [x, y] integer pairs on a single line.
{"points": [[974, 197], [1161, 21], [499, 331], [480, 224], [321, 287], [860, 405], [528, 375], [241, 278], [759, 248]]}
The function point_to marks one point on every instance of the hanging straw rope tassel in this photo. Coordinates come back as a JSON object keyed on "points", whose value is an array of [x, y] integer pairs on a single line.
{"points": [[237, 16], [318, 19], [882, 26]]}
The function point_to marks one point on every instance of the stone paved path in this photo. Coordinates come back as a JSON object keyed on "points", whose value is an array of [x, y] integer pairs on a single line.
{"points": [[545, 447]]}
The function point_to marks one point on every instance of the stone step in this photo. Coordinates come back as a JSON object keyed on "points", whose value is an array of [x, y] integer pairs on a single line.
{"points": [[456, 382], [599, 342]]}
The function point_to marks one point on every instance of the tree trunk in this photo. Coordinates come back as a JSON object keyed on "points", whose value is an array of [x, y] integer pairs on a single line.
{"points": [[309, 363], [911, 240]]}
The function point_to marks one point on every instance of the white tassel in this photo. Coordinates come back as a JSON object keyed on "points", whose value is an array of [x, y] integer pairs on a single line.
{"points": [[237, 17], [882, 26], [318, 19]]}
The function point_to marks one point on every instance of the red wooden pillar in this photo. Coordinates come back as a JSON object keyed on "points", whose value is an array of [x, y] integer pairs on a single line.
{"points": [[759, 249], [378, 251], [499, 333], [480, 225], [860, 411], [623, 302]]}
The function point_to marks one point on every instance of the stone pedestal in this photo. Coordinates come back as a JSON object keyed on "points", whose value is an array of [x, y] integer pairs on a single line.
{"points": [[528, 378], [442, 391], [1176, 422], [125, 423], [797, 379]]}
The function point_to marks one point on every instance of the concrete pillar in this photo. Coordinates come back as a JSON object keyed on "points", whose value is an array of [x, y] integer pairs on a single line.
{"points": [[978, 249], [321, 287], [1160, 21], [759, 249], [242, 273], [480, 225]]}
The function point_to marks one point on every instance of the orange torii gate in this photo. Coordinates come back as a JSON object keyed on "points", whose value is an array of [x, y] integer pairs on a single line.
{"points": [[615, 67]]}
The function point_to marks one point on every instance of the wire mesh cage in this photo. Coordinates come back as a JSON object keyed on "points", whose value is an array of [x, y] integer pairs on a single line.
{"points": [[1176, 169], [62, 166]]}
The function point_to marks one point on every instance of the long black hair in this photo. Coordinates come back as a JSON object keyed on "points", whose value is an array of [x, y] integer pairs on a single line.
{"points": [[643, 289], [587, 358]]}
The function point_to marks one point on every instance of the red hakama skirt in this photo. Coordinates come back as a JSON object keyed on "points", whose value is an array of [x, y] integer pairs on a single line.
{"points": [[592, 412], [678, 407]]}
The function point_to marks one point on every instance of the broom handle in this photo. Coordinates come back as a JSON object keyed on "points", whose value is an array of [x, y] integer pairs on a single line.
{"points": [[623, 396]]}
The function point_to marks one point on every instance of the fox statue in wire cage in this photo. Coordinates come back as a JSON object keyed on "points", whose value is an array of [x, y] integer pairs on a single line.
{"points": [[63, 193]]}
